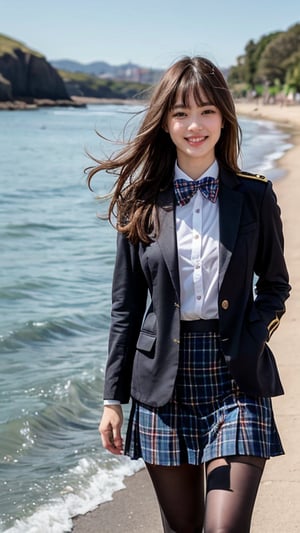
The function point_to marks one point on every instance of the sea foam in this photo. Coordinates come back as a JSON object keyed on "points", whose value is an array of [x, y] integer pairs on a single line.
{"points": [[56, 517]]}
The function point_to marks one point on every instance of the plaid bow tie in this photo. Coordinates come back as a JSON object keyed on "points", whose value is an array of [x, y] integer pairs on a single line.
{"points": [[185, 189]]}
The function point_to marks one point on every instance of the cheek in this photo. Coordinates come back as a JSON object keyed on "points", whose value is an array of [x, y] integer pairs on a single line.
{"points": [[217, 127], [174, 129], [175, 136]]}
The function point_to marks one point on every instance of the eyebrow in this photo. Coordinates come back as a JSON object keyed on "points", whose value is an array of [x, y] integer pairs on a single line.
{"points": [[176, 106]]}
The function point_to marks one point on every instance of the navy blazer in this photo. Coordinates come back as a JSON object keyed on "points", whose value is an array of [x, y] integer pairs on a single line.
{"points": [[145, 319]]}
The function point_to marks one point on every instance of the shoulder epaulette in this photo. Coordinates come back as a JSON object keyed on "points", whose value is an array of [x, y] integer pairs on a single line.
{"points": [[250, 176]]}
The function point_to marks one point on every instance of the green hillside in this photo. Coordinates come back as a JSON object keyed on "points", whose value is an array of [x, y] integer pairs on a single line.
{"points": [[8, 45], [81, 84]]}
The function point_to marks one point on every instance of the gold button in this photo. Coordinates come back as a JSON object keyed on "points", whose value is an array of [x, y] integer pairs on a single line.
{"points": [[225, 304], [177, 341]]}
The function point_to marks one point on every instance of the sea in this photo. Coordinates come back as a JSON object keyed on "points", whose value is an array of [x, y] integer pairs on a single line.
{"points": [[57, 258]]}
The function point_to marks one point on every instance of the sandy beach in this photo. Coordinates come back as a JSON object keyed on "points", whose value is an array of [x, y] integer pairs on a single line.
{"points": [[277, 509]]}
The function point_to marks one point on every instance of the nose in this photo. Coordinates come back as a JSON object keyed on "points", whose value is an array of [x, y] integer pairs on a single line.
{"points": [[195, 123]]}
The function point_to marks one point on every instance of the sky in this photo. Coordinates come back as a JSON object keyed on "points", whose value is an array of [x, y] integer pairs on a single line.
{"points": [[152, 34]]}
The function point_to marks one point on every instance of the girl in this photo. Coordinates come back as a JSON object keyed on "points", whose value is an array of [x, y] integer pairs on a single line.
{"points": [[188, 340]]}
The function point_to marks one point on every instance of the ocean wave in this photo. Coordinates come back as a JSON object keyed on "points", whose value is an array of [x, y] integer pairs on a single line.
{"points": [[268, 163], [71, 405], [45, 331], [53, 412], [273, 143], [25, 288], [100, 485], [29, 229], [103, 110]]}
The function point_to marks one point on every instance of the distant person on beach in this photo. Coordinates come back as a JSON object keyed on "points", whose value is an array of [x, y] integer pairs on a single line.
{"points": [[188, 336]]}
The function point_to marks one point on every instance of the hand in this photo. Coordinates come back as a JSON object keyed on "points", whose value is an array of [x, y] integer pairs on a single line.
{"points": [[110, 429]]}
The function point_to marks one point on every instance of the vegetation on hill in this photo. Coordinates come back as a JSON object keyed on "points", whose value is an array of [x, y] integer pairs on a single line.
{"points": [[9, 45], [81, 84], [270, 66]]}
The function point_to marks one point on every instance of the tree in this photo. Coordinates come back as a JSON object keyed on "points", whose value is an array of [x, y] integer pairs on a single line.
{"points": [[246, 69], [250, 63], [292, 79], [277, 54]]}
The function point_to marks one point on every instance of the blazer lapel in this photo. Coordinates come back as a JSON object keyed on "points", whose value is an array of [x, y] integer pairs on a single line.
{"points": [[230, 206], [167, 235]]}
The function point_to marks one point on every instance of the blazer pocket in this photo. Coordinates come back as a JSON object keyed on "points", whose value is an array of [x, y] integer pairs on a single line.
{"points": [[254, 315], [145, 343], [254, 337], [255, 367]]}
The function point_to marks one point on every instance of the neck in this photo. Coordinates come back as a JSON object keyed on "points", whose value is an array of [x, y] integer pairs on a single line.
{"points": [[194, 171]]}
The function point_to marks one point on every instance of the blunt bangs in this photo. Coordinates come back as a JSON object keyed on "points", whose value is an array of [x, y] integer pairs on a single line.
{"points": [[201, 80], [192, 82]]}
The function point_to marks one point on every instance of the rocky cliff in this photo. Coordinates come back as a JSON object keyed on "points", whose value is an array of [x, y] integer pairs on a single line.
{"points": [[26, 75]]}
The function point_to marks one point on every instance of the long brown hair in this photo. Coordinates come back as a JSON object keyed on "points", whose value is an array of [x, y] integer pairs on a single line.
{"points": [[145, 165]]}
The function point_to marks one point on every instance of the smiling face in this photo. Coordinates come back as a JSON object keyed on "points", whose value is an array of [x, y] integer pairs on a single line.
{"points": [[195, 129]]}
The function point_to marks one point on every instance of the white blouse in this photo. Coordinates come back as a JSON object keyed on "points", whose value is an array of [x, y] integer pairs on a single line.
{"points": [[198, 236]]}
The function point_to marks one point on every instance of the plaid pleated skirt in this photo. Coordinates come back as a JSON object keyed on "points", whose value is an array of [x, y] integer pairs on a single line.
{"points": [[207, 417]]}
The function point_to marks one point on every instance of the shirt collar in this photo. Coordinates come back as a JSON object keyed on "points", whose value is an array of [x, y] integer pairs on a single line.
{"points": [[212, 171]]}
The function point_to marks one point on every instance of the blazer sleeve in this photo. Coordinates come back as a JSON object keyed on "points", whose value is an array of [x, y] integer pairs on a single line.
{"points": [[129, 296], [272, 287]]}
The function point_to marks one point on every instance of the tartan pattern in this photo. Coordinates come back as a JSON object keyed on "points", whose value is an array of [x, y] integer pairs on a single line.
{"points": [[185, 189], [208, 416]]}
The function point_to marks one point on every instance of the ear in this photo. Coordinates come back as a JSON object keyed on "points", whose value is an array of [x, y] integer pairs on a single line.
{"points": [[165, 128]]}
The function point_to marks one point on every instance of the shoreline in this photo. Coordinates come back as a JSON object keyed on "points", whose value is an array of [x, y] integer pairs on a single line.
{"points": [[74, 101], [286, 117], [30, 104], [135, 509]]}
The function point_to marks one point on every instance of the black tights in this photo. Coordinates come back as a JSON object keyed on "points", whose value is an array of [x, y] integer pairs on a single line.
{"points": [[231, 488]]}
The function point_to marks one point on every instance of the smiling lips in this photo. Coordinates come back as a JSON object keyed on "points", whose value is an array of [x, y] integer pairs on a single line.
{"points": [[195, 140]]}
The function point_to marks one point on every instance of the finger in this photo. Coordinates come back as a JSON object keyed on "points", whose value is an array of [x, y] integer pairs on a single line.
{"points": [[117, 439], [109, 443]]}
